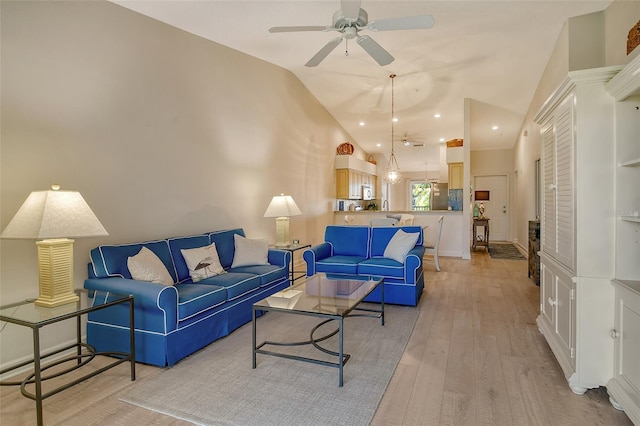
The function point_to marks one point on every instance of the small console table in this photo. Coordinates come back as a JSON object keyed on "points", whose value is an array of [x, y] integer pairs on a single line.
{"points": [[484, 239], [27, 314]]}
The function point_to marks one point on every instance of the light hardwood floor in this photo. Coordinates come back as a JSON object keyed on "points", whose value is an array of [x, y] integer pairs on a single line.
{"points": [[475, 358]]}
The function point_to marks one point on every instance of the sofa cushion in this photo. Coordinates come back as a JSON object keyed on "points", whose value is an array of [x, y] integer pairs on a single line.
{"points": [[348, 240], [196, 298], [203, 262], [146, 266], [250, 252], [339, 264], [111, 260], [268, 273], [225, 244], [400, 244], [382, 267], [236, 283], [184, 243]]}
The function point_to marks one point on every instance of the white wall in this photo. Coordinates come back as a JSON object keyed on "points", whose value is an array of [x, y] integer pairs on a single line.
{"points": [[164, 134]]}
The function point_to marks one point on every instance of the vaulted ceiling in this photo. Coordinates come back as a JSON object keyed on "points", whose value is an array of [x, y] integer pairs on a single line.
{"points": [[492, 52]]}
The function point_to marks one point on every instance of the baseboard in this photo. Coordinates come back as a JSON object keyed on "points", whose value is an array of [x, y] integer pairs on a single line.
{"points": [[521, 248]]}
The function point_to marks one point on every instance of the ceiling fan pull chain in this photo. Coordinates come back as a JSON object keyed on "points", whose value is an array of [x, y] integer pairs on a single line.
{"points": [[346, 47]]}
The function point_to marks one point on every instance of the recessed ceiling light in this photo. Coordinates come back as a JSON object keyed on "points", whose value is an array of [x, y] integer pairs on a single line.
{"points": [[495, 128], [441, 139], [394, 119], [437, 115], [378, 144], [361, 123]]}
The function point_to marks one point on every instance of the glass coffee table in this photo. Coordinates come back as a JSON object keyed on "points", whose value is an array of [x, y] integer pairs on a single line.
{"points": [[332, 297]]}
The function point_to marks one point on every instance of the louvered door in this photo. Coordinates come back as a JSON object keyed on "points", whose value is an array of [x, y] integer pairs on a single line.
{"points": [[564, 184], [558, 215]]}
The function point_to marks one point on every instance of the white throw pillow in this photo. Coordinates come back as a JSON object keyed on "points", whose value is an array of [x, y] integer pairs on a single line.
{"points": [[203, 262], [147, 266], [400, 244], [250, 252]]}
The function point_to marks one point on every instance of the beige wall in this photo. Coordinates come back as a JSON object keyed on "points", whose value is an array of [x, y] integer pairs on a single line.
{"points": [[163, 133], [571, 52]]}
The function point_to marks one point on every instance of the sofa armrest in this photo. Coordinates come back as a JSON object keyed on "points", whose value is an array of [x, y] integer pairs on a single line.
{"points": [[315, 253], [413, 264], [149, 297], [279, 257]]}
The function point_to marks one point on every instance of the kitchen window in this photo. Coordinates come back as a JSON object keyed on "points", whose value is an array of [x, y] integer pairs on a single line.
{"points": [[420, 195]]}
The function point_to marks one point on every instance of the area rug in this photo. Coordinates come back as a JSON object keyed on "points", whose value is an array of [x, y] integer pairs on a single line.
{"points": [[505, 251], [217, 386]]}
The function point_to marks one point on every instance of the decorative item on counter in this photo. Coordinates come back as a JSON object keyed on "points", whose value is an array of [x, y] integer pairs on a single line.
{"points": [[371, 160], [345, 149]]}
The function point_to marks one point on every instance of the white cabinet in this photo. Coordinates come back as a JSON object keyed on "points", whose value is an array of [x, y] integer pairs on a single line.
{"points": [[624, 386], [578, 240]]}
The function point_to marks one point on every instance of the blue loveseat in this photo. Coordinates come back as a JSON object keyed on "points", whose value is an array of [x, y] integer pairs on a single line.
{"points": [[172, 322], [360, 250]]}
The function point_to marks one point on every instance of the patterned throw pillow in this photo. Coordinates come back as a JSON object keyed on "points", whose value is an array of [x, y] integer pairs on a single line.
{"points": [[203, 262], [147, 266]]}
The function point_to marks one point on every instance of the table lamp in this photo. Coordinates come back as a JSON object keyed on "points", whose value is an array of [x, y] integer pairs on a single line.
{"points": [[481, 196], [282, 207], [53, 217]]}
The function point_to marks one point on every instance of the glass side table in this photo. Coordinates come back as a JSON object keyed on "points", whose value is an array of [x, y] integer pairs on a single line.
{"points": [[27, 314], [292, 248]]}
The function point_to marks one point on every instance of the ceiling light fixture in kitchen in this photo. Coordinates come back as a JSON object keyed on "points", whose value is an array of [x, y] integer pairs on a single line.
{"points": [[393, 170]]}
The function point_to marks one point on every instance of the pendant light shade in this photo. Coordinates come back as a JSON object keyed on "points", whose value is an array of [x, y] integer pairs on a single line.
{"points": [[393, 170]]}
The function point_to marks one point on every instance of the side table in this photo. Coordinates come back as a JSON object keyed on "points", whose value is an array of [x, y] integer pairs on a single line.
{"points": [[292, 248], [484, 241], [27, 314]]}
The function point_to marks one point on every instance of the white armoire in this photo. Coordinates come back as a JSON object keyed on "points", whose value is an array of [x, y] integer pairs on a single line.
{"points": [[577, 227]]}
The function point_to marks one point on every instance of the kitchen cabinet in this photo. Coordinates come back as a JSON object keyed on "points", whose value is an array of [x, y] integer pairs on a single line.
{"points": [[624, 386], [349, 183], [456, 171], [576, 294]]}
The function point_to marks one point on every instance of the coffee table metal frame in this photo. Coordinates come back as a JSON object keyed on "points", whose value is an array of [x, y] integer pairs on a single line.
{"points": [[341, 356]]}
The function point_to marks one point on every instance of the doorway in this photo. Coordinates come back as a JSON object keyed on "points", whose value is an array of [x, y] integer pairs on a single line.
{"points": [[497, 208]]}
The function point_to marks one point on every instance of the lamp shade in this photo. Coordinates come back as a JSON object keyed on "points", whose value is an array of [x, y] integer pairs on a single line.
{"points": [[54, 214], [282, 206]]}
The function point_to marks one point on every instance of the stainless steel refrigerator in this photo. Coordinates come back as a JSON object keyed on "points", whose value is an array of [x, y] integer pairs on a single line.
{"points": [[439, 196]]}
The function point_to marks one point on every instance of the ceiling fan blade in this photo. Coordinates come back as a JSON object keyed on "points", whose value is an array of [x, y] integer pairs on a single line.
{"points": [[295, 29], [376, 51], [350, 9], [419, 22], [323, 53]]}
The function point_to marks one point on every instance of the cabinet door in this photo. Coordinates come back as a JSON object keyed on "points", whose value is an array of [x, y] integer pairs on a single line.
{"points": [[456, 171], [565, 315], [628, 341], [342, 183], [547, 294], [564, 184], [355, 184]]}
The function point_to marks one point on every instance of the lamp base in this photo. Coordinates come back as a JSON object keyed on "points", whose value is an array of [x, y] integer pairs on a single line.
{"points": [[282, 232], [55, 269]]}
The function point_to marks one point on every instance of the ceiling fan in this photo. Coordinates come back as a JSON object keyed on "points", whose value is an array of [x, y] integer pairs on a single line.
{"points": [[406, 140], [349, 20]]}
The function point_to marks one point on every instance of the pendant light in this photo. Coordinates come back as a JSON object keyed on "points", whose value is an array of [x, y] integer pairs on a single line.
{"points": [[393, 170]]}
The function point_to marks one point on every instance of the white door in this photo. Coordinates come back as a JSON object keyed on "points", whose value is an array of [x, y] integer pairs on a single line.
{"points": [[497, 208]]}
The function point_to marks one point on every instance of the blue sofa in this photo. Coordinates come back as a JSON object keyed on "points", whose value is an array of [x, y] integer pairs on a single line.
{"points": [[172, 322], [360, 250]]}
